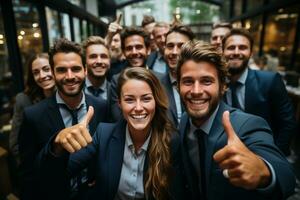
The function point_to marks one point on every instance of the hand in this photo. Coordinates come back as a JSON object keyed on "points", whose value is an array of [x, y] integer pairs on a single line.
{"points": [[75, 137], [113, 28], [245, 169]]}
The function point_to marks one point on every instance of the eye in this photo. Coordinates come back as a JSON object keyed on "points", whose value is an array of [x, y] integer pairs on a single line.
{"points": [[139, 47], [60, 69], [46, 69], [92, 56], [76, 69], [207, 81], [35, 73], [187, 82], [129, 100], [147, 98]]}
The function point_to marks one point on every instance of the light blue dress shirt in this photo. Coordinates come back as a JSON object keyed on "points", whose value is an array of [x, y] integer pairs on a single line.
{"points": [[131, 185], [103, 88]]}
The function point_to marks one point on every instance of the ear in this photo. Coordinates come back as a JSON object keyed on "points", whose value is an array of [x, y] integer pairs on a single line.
{"points": [[223, 89]]}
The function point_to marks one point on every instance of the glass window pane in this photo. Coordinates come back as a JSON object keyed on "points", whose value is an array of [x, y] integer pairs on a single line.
{"points": [[237, 7], [84, 30], [91, 29], [254, 26], [65, 22], [6, 84], [254, 4], [280, 35], [76, 29], [53, 25], [28, 29]]}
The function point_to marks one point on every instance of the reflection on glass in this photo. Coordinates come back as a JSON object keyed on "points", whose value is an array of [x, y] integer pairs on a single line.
{"points": [[76, 29], [53, 25], [28, 29], [280, 35], [6, 85], [65, 22], [254, 26]]}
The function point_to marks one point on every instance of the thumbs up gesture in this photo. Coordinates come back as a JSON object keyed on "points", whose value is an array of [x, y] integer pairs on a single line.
{"points": [[244, 168], [75, 137], [113, 28]]}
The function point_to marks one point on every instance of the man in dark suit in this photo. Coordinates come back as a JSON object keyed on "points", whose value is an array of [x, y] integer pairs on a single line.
{"points": [[258, 92], [226, 153], [67, 107], [97, 59], [175, 38], [135, 46]]}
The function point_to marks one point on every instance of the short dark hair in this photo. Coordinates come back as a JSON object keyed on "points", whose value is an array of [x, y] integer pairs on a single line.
{"points": [[147, 19], [238, 31], [64, 45], [182, 29], [222, 25], [198, 51], [130, 31]]}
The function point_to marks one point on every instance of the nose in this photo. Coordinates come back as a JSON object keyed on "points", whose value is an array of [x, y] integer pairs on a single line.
{"points": [[42, 74], [69, 74], [219, 40], [236, 50], [197, 89], [175, 50], [138, 105]]}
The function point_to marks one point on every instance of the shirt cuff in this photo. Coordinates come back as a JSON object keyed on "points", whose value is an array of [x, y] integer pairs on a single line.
{"points": [[270, 188]]}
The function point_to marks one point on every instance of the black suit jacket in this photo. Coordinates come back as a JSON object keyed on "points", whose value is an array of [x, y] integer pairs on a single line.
{"points": [[255, 133], [266, 96], [40, 122], [107, 149]]}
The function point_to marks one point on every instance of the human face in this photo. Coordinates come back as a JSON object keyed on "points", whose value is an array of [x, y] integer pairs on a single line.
{"points": [[116, 41], [217, 35], [135, 50], [173, 48], [69, 74], [159, 34], [199, 89], [138, 106], [97, 60], [42, 73], [237, 53]]}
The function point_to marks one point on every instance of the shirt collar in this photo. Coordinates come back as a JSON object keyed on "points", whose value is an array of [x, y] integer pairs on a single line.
{"points": [[129, 142], [171, 78], [206, 126], [89, 84], [59, 100], [243, 77]]}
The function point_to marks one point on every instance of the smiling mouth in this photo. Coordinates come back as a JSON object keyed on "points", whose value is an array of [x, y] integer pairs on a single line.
{"points": [[139, 117]]}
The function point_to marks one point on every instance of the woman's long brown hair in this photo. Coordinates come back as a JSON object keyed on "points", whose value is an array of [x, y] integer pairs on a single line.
{"points": [[157, 177]]}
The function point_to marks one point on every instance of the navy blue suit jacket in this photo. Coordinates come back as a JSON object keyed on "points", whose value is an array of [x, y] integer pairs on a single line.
{"points": [[255, 133], [266, 96], [166, 82], [40, 122], [107, 149]]}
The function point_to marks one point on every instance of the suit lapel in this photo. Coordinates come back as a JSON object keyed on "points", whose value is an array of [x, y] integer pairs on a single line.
{"points": [[54, 115], [115, 154], [93, 123], [250, 91], [169, 89]]}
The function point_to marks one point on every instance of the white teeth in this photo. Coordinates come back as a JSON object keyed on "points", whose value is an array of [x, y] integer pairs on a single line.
{"points": [[138, 116], [198, 101]]}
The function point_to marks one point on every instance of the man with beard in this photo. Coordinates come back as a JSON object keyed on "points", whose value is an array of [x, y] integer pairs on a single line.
{"points": [[226, 153], [135, 46], [175, 38], [66, 107], [258, 92], [97, 64]]}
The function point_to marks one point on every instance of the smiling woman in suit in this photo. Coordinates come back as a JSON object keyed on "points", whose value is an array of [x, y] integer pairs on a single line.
{"points": [[135, 158]]}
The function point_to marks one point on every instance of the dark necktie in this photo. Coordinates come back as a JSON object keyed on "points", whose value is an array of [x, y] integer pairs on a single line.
{"points": [[95, 91], [234, 97], [73, 113], [202, 153]]}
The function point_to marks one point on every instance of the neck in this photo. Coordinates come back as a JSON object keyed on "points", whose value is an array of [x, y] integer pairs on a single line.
{"points": [[96, 82], [138, 138], [48, 92], [71, 101], [234, 78], [173, 73]]}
